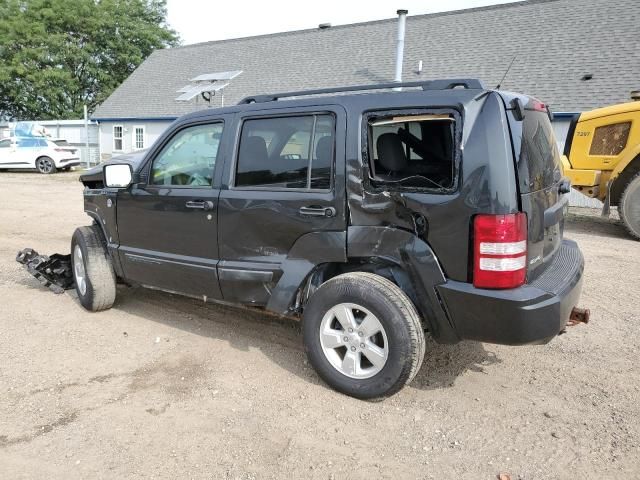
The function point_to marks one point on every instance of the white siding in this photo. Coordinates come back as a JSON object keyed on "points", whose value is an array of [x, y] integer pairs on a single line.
{"points": [[152, 130]]}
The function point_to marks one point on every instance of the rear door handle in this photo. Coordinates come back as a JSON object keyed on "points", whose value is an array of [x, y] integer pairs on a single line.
{"points": [[318, 211], [200, 204]]}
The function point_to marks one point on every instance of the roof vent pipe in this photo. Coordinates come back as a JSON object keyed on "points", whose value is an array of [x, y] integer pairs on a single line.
{"points": [[402, 21], [324, 26], [635, 95]]}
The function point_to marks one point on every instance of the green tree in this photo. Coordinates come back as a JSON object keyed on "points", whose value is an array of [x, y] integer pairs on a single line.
{"points": [[58, 55]]}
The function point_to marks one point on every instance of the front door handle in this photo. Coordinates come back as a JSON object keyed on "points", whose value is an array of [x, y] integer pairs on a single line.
{"points": [[314, 211], [200, 204]]}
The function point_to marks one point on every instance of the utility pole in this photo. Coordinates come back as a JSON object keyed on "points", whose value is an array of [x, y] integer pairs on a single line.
{"points": [[86, 135]]}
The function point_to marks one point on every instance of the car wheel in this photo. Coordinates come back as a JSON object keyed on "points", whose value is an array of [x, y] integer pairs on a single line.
{"points": [[363, 335], [45, 165], [629, 207], [93, 272]]}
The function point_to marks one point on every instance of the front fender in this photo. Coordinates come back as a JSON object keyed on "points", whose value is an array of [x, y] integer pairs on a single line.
{"points": [[100, 205]]}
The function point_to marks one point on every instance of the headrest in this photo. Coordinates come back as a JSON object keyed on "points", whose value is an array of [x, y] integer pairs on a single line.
{"points": [[391, 154], [254, 149], [324, 149]]}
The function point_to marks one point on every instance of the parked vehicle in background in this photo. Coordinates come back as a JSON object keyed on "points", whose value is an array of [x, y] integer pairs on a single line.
{"points": [[40, 153], [602, 159], [375, 216]]}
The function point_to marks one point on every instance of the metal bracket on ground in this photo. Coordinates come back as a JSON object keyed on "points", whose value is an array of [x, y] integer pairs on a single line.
{"points": [[52, 271]]}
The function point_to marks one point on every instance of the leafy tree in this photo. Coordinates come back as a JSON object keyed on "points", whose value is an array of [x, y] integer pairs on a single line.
{"points": [[58, 55]]}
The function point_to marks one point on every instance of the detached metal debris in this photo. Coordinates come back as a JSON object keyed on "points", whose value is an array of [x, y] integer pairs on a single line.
{"points": [[52, 271]]}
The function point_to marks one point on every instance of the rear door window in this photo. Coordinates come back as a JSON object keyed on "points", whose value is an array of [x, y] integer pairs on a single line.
{"points": [[294, 152]]}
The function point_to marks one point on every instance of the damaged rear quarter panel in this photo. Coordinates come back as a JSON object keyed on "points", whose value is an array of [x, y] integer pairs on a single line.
{"points": [[484, 180]]}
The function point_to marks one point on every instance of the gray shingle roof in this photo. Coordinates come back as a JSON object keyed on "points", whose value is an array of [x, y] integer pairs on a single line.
{"points": [[556, 43]]}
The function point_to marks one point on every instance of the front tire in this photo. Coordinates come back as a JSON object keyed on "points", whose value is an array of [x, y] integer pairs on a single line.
{"points": [[93, 272], [45, 165], [363, 335], [629, 207]]}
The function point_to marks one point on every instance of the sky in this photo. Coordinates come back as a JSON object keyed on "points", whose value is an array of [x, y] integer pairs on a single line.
{"points": [[204, 20]]}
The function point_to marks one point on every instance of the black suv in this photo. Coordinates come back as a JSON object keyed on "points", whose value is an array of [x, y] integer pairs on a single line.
{"points": [[376, 216]]}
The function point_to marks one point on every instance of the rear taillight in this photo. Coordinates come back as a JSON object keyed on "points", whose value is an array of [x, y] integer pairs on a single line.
{"points": [[499, 250]]}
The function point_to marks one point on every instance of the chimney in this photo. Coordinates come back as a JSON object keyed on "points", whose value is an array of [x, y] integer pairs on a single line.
{"points": [[402, 21], [635, 95]]}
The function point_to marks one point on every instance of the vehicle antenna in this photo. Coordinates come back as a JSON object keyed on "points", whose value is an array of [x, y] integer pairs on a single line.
{"points": [[505, 73]]}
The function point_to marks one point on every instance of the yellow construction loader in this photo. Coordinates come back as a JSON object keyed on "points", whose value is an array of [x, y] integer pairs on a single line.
{"points": [[602, 159]]}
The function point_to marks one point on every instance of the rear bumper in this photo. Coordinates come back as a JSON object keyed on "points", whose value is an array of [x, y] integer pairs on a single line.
{"points": [[531, 314]]}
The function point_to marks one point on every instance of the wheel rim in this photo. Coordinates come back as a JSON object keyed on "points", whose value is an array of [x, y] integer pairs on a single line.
{"points": [[79, 270], [354, 341], [45, 165]]}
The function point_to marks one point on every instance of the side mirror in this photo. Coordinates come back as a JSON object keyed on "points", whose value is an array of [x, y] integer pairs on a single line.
{"points": [[118, 175]]}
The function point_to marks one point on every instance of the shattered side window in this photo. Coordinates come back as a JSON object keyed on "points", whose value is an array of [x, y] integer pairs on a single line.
{"points": [[415, 151]]}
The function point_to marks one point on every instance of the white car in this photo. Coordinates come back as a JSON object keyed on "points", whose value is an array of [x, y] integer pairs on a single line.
{"points": [[36, 152]]}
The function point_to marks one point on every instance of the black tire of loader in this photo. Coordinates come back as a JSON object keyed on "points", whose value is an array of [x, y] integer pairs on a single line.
{"points": [[629, 207]]}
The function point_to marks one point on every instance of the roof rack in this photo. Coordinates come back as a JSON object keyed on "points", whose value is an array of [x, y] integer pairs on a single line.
{"points": [[442, 84]]}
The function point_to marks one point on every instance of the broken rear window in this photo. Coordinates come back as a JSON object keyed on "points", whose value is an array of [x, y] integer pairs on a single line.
{"points": [[415, 151]]}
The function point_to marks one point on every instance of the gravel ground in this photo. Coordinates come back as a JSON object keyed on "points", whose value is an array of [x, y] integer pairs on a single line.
{"points": [[167, 387]]}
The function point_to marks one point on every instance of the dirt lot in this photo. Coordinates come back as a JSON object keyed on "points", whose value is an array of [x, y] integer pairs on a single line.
{"points": [[167, 387]]}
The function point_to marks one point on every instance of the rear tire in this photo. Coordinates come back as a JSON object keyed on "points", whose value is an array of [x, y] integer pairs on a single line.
{"points": [[93, 272], [363, 335], [45, 165], [629, 207]]}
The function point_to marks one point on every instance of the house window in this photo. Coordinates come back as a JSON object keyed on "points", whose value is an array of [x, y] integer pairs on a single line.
{"points": [[286, 152], [117, 138], [138, 138]]}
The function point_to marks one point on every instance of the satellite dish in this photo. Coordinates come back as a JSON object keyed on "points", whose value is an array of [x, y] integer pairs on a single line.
{"points": [[195, 90]]}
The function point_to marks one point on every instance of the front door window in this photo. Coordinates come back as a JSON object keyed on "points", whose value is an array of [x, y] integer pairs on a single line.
{"points": [[189, 158]]}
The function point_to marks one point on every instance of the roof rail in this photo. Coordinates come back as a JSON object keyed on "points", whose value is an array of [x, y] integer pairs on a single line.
{"points": [[442, 84]]}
